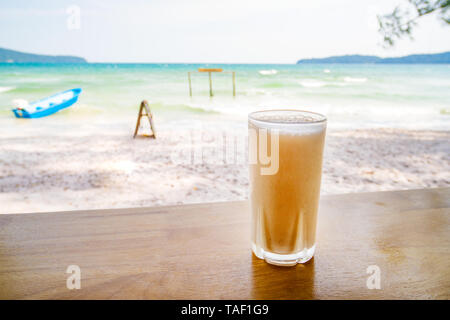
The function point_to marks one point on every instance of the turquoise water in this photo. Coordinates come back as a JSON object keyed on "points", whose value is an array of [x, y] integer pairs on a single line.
{"points": [[352, 96]]}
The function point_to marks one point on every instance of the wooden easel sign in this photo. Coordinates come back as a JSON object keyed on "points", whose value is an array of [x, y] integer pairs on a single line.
{"points": [[144, 111]]}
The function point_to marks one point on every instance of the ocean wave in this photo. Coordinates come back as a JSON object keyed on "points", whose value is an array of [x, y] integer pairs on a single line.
{"points": [[267, 72], [180, 107], [6, 89], [350, 79], [255, 91], [38, 80], [326, 70], [312, 83]]}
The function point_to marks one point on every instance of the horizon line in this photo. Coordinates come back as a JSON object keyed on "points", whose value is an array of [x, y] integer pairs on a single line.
{"points": [[255, 63]]}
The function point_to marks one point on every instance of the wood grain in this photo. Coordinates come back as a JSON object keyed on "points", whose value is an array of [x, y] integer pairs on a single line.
{"points": [[202, 251]]}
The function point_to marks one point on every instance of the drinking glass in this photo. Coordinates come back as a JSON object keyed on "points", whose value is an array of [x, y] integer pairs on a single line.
{"points": [[285, 164]]}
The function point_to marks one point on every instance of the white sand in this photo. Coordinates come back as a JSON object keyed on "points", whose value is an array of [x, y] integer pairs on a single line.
{"points": [[114, 171]]}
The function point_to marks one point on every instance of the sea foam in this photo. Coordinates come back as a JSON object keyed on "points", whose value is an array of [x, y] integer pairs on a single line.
{"points": [[312, 83], [6, 89], [350, 79], [268, 72]]}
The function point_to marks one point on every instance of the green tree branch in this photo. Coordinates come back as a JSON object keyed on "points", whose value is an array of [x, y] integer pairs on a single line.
{"points": [[401, 22]]}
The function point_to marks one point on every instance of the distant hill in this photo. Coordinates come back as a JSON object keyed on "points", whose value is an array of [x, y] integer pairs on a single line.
{"points": [[411, 59], [12, 56]]}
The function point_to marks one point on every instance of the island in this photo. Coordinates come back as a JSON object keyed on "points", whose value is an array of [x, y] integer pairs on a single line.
{"points": [[12, 56], [435, 58]]}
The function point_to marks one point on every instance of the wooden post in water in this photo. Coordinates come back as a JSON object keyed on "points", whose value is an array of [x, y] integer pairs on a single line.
{"points": [[210, 85], [234, 84], [190, 85]]}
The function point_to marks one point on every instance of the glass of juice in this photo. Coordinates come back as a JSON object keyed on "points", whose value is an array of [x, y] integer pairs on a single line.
{"points": [[285, 159]]}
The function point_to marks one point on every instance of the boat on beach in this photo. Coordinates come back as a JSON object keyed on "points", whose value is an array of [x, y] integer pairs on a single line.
{"points": [[49, 105]]}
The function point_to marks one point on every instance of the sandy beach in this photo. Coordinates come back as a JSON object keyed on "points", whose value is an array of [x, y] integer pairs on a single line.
{"points": [[114, 171]]}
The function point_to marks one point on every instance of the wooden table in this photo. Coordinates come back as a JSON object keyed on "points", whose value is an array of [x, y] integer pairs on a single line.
{"points": [[202, 251]]}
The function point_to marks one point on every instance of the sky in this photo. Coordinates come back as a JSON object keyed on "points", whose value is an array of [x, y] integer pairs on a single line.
{"points": [[226, 31]]}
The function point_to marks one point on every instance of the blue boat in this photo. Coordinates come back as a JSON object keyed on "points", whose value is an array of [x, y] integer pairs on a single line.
{"points": [[49, 105]]}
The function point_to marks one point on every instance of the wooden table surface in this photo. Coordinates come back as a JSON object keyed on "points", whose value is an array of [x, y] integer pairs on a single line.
{"points": [[203, 251]]}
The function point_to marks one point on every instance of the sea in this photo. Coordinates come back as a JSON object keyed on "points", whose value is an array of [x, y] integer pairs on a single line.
{"points": [[352, 96]]}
